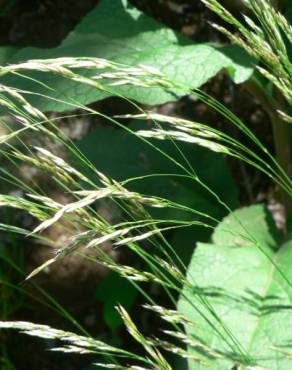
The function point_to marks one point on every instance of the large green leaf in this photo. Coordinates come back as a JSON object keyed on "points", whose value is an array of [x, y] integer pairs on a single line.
{"points": [[122, 155], [114, 290], [245, 290], [117, 31], [6, 53]]}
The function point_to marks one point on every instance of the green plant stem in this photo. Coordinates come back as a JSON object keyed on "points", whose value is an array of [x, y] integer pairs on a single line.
{"points": [[283, 147], [282, 138]]}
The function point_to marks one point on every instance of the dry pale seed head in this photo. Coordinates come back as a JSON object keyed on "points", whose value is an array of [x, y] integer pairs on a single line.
{"points": [[120, 367], [285, 26], [25, 122], [179, 123], [131, 327], [4, 139], [146, 343], [102, 239], [28, 108], [59, 162], [143, 76], [284, 116], [111, 366], [129, 272], [170, 347], [87, 81], [47, 165], [33, 111], [151, 70], [72, 349], [148, 234], [42, 267], [73, 207], [185, 137], [117, 191], [190, 341], [23, 204], [252, 25], [45, 200], [46, 332], [168, 315], [173, 270]]}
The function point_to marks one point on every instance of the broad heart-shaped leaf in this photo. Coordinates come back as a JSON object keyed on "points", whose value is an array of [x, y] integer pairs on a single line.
{"points": [[117, 31], [245, 291], [122, 155]]}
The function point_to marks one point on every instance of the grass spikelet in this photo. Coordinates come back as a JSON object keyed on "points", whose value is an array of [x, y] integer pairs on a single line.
{"points": [[193, 343], [185, 125], [131, 273], [80, 344], [91, 196], [262, 39], [23, 204], [170, 347], [182, 136], [159, 361], [171, 316], [147, 235]]}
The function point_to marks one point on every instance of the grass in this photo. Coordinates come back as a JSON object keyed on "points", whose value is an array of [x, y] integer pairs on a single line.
{"points": [[136, 226]]}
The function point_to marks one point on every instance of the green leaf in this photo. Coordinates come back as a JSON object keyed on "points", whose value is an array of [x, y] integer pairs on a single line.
{"points": [[117, 31], [245, 291], [114, 290], [6, 53], [121, 155]]}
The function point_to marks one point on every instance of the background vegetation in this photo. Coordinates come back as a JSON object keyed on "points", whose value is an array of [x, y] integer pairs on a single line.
{"points": [[146, 171]]}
